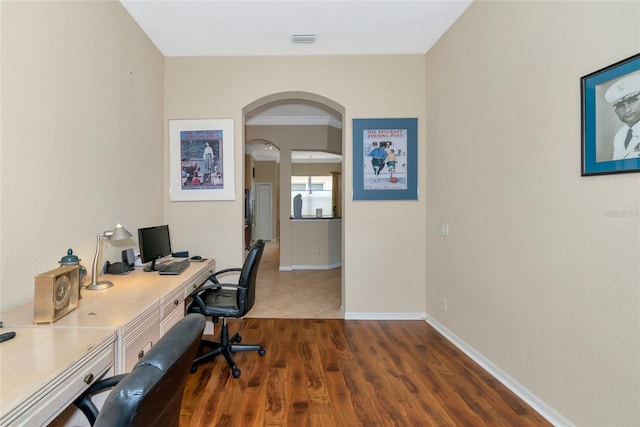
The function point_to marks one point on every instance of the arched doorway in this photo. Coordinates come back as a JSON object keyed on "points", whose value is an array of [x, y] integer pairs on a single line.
{"points": [[295, 122]]}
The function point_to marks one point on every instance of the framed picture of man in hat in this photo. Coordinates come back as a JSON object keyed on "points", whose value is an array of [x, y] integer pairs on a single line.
{"points": [[611, 119]]}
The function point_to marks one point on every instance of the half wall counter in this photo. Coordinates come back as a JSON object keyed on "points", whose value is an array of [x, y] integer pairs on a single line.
{"points": [[316, 243]]}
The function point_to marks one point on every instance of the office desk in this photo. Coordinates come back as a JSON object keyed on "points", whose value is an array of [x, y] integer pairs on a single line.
{"points": [[140, 307], [43, 369], [135, 312]]}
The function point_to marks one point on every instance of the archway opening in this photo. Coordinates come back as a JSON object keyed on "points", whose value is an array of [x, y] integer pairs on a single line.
{"points": [[279, 130]]}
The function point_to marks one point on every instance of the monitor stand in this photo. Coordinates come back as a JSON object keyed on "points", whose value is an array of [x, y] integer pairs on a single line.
{"points": [[154, 264], [150, 268]]}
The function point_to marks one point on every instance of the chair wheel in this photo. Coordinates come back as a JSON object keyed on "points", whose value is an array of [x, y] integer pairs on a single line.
{"points": [[261, 352], [236, 373], [238, 339], [193, 369]]}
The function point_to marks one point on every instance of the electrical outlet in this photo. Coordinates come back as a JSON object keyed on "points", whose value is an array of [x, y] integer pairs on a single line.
{"points": [[444, 229], [444, 305]]}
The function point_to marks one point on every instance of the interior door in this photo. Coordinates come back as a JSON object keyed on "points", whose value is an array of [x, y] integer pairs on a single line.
{"points": [[264, 211]]}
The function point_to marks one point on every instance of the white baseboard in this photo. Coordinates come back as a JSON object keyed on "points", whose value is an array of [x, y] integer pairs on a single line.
{"points": [[383, 316], [309, 267], [315, 267], [518, 389]]}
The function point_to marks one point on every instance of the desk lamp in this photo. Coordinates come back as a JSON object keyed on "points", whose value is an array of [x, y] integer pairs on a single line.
{"points": [[118, 233]]}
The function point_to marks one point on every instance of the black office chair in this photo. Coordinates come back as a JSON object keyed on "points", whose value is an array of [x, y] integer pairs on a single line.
{"points": [[221, 300], [151, 394]]}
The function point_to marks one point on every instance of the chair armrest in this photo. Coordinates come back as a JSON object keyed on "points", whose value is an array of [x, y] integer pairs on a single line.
{"points": [[228, 286], [84, 402], [203, 288], [214, 276], [218, 285], [197, 298], [195, 295]]}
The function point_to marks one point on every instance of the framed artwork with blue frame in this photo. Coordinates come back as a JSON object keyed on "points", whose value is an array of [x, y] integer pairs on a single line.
{"points": [[611, 119], [385, 159]]}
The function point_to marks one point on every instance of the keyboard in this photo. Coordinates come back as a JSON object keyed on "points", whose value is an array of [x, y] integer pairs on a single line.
{"points": [[173, 268]]}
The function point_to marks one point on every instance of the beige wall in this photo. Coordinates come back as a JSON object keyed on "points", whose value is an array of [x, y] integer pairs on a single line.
{"points": [[540, 269], [222, 87], [81, 140], [540, 272], [249, 165], [288, 139], [315, 244], [317, 169], [269, 171]]}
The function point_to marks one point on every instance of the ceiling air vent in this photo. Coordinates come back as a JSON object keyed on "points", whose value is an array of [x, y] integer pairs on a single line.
{"points": [[303, 38]]}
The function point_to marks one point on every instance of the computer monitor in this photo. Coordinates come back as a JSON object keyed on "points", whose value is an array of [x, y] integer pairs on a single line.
{"points": [[154, 244]]}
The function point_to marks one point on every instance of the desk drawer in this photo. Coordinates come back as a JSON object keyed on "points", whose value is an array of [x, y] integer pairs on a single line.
{"points": [[171, 319], [137, 338], [192, 287], [198, 280], [62, 394], [171, 303]]}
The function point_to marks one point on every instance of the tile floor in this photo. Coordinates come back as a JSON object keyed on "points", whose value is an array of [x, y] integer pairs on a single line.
{"points": [[300, 294]]}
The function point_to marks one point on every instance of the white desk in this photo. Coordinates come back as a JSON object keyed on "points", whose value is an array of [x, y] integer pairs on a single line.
{"points": [[120, 323], [42, 370]]}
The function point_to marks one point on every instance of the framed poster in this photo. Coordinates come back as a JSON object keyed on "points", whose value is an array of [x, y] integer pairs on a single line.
{"points": [[611, 119], [385, 159], [201, 165]]}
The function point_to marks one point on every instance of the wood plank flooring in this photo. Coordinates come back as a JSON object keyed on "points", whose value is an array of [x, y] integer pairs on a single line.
{"points": [[334, 372]]}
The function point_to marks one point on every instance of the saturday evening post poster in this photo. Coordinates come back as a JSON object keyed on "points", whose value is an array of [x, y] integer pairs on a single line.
{"points": [[385, 160]]}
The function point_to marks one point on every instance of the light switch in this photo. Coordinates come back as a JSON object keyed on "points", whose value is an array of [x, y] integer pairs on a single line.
{"points": [[444, 229]]}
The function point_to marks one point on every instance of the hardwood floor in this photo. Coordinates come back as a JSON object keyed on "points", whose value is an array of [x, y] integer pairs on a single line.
{"points": [[321, 370], [332, 372]]}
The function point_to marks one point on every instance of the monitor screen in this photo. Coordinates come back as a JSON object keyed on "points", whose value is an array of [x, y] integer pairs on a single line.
{"points": [[154, 243]]}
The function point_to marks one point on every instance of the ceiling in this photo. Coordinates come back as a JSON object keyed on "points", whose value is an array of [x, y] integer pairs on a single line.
{"points": [[263, 27]]}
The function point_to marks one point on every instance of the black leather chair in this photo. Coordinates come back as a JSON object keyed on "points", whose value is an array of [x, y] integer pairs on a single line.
{"points": [[221, 300], [151, 394]]}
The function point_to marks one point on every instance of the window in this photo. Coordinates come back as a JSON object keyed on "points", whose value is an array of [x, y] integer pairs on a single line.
{"points": [[316, 193]]}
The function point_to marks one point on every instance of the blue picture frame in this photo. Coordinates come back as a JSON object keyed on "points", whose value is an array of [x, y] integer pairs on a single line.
{"points": [[604, 94], [385, 159]]}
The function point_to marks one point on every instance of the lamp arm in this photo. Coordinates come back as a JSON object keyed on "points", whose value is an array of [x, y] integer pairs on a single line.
{"points": [[94, 276], [118, 233]]}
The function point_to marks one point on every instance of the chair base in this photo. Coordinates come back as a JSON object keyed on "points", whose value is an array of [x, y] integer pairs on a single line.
{"points": [[226, 346]]}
